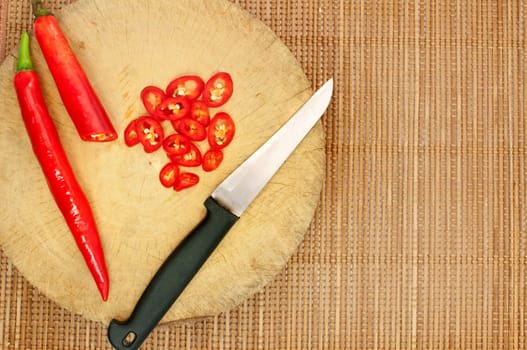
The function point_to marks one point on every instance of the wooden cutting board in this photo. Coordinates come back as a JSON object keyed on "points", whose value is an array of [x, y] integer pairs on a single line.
{"points": [[125, 45]]}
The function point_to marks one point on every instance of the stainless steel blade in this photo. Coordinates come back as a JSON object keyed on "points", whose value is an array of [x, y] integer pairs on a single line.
{"points": [[240, 188]]}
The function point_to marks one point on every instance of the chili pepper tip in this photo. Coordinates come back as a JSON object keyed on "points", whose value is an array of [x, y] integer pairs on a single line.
{"points": [[24, 57], [104, 289]]}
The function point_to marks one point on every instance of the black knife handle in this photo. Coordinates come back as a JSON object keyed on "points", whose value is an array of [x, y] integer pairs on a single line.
{"points": [[172, 278]]}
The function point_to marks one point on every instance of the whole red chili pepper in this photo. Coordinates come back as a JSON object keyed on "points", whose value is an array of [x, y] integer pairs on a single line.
{"points": [[59, 175], [78, 96]]}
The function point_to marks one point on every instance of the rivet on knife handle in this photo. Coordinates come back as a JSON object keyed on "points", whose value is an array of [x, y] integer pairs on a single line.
{"points": [[172, 278]]}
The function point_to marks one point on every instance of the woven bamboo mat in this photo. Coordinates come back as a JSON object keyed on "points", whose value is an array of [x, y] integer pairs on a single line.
{"points": [[420, 238]]}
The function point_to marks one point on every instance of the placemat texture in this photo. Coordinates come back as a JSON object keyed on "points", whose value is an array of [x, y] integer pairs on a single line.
{"points": [[420, 238]]}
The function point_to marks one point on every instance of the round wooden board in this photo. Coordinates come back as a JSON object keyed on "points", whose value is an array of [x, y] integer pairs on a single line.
{"points": [[125, 45]]}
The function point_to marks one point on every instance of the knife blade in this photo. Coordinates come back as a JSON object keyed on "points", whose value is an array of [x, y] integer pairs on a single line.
{"points": [[224, 207]]}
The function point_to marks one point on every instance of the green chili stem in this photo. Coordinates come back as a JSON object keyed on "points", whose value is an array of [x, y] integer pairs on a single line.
{"points": [[24, 58], [39, 9]]}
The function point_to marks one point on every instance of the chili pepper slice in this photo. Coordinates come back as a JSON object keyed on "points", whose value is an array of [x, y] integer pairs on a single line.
{"points": [[131, 137], [191, 128], [151, 134], [54, 163], [176, 144], [189, 86], [221, 131], [212, 160], [200, 112], [168, 175], [186, 180], [78, 95], [152, 96], [173, 108], [218, 89], [190, 159]]}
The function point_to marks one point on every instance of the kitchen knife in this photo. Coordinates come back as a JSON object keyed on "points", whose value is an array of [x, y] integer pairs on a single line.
{"points": [[225, 205]]}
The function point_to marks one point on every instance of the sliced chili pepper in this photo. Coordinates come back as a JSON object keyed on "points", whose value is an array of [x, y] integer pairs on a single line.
{"points": [[191, 128], [218, 89], [78, 95], [152, 96], [173, 108], [189, 86], [185, 180], [221, 130], [169, 174], [190, 159], [60, 177], [200, 112], [131, 137], [212, 160], [151, 134], [176, 144], [190, 116]]}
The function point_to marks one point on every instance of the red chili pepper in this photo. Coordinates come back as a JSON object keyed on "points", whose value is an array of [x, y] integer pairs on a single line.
{"points": [[152, 96], [212, 160], [150, 133], [185, 180], [80, 100], [176, 144], [59, 175], [191, 128], [218, 89], [173, 108], [200, 112], [131, 136], [221, 130], [169, 174], [189, 86], [190, 159]]}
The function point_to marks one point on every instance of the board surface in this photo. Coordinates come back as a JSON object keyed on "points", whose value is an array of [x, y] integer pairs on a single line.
{"points": [[123, 46]]}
